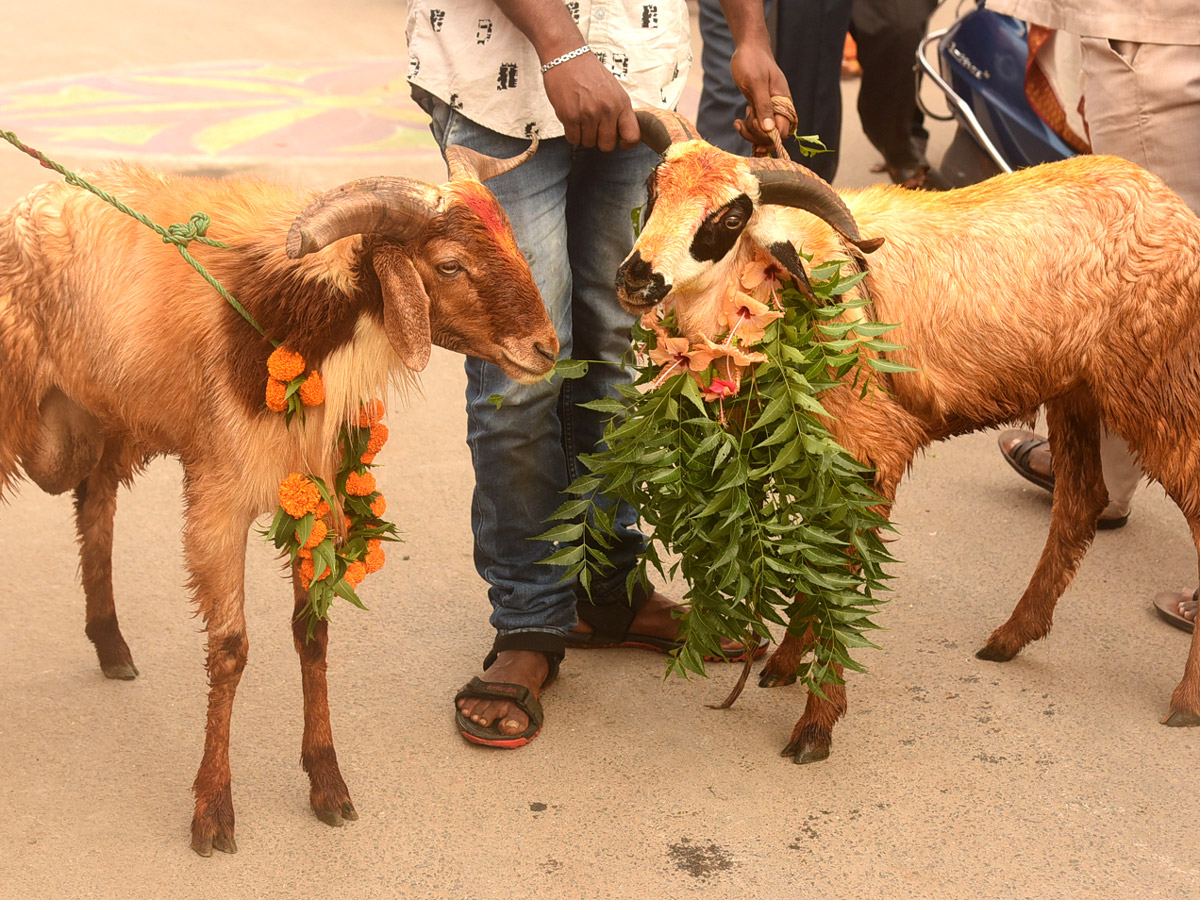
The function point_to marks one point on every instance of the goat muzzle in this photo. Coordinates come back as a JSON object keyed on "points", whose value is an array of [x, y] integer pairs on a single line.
{"points": [[639, 287]]}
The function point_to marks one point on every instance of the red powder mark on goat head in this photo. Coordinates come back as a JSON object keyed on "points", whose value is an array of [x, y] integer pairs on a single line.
{"points": [[483, 204]]}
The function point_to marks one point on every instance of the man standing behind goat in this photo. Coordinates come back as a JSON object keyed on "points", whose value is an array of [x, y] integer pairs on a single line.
{"points": [[491, 73]]}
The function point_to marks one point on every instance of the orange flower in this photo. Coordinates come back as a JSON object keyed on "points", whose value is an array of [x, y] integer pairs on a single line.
{"points": [[763, 276], [285, 364], [308, 569], [360, 485], [322, 510], [355, 572], [707, 353], [378, 507], [370, 413], [747, 317], [375, 557], [367, 458], [318, 534], [312, 392], [298, 496], [304, 554], [276, 395], [379, 436]]}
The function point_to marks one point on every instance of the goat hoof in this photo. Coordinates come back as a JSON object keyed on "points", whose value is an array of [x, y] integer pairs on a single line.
{"points": [[1182, 719], [805, 753], [120, 671], [204, 846], [769, 679], [336, 815], [994, 654]]}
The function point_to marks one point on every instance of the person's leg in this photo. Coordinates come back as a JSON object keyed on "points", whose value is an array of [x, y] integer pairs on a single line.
{"points": [[888, 32], [516, 450], [810, 38]]}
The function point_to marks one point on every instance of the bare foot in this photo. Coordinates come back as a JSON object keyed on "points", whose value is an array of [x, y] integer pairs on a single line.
{"points": [[524, 667], [1181, 603], [1039, 458], [657, 618]]}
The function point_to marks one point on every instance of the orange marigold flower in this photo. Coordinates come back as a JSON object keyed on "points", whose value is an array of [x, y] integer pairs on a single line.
{"points": [[379, 436], [367, 458], [356, 572], [276, 395], [370, 413], [312, 392], [298, 496], [375, 557], [318, 534], [360, 485], [285, 364], [304, 554], [378, 507], [322, 510], [308, 568]]}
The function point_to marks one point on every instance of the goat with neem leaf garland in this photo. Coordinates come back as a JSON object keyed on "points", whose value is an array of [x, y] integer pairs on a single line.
{"points": [[113, 351], [1073, 285]]}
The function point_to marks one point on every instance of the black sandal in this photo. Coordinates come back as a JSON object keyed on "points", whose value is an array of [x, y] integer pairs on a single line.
{"points": [[1017, 455], [552, 646]]}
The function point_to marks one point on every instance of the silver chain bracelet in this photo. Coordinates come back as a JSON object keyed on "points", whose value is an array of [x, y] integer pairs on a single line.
{"points": [[566, 56]]}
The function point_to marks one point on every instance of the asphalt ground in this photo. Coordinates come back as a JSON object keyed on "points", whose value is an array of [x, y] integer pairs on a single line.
{"points": [[951, 777]]}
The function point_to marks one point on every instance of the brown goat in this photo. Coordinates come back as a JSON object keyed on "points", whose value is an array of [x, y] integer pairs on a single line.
{"points": [[1072, 285], [113, 350]]}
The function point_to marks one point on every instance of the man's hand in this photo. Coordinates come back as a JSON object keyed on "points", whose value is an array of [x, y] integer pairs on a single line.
{"points": [[759, 78], [591, 104]]}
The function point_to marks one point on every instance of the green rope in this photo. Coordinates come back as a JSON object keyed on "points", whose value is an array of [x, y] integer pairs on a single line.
{"points": [[180, 235]]}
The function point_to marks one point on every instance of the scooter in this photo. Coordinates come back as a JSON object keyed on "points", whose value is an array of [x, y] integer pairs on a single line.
{"points": [[981, 71]]}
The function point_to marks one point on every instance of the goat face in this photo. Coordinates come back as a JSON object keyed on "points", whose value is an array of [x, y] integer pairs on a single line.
{"points": [[481, 298], [447, 262], [699, 202]]}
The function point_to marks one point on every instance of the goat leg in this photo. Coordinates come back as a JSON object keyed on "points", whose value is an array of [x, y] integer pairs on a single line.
{"points": [[813, 735], [1185, 700], [329, 796], [95, 510], [1079, 498], [215, 546]]}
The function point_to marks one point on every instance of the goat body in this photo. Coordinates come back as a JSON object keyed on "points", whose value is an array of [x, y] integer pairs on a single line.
{"points": [[1072, 285], [113, 350]]}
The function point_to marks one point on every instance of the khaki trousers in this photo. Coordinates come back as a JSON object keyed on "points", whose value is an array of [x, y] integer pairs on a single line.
{"points": [[1142, 102]]}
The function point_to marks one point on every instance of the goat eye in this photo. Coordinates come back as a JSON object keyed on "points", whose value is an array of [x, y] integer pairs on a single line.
{"points": [[449, 268], [733, 222]]}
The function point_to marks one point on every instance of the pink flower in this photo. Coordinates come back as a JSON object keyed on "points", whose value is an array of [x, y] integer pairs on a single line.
{"points": [[719, 389]]}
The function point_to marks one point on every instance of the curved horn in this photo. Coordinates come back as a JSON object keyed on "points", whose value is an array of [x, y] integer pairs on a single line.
{"points": [[389, 205], [464, 162], [663, 127], [785, 183]]}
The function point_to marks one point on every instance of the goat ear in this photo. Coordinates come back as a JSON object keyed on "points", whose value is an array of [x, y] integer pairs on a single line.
{"points": [[787, 256], [405, 307]]}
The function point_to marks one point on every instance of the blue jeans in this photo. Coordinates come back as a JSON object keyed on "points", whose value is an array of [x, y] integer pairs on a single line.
{"points": [[570, 211]]}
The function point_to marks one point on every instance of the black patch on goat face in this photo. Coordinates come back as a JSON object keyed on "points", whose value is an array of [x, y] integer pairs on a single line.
{"points": [[721, 230]]}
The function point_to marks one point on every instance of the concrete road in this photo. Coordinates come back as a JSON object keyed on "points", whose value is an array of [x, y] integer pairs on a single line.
{"points": [[1047, 777]]}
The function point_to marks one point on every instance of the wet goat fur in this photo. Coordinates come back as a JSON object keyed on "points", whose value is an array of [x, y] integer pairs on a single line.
{"points": [[1074, 286], [113, 350]]}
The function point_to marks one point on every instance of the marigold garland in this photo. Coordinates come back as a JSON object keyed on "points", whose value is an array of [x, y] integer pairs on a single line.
{"points": [[329, 564]]}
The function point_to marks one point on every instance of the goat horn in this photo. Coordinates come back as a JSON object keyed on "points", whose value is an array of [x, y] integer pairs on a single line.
{"points": [[663, 127], [785, 183], [388, 205], [464, 162]]}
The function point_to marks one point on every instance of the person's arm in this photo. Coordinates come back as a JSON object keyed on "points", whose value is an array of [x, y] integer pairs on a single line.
{"points": [[587, 98], [755, 71]]}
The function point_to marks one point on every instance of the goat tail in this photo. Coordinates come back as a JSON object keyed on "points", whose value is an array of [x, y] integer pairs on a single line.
{"points": [[19, 418]]}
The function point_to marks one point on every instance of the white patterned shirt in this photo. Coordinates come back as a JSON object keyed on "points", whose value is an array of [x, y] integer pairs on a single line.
{"points": [[470, 56]]}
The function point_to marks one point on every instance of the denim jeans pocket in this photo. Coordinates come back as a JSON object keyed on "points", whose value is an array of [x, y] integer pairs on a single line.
{"points": [[439, 112]]}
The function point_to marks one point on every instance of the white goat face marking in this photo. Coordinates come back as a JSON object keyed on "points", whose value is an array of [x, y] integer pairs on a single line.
{"points": [[700, 201]]}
